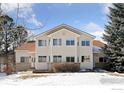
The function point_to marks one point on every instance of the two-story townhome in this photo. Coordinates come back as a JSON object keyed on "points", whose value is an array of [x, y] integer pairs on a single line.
{"points": [[62, 44]]}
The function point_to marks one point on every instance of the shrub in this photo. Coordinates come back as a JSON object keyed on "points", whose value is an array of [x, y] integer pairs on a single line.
{"points": [[105, 66], [66, 67], [8, 69]]}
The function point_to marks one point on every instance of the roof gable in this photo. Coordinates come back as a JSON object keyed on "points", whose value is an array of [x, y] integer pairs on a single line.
{"points": [[64, 26]]}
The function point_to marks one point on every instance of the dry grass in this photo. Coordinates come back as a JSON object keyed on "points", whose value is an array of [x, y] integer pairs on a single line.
{"points": [[26, 72], [31, 76], [116, 74]]}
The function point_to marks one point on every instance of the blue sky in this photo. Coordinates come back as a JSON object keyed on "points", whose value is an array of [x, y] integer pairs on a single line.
{"points": [[89, 17]]}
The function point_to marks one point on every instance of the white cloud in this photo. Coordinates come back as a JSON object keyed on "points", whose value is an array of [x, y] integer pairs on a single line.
{"points": [[33, 20], [25, 12], [97, 33], [94, 29], [7, 7], [106, 7]]}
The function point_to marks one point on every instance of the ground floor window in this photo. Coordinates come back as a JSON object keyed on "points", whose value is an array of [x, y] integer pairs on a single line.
{"points": [[42, 58], [102, 59], [23, 59], [70, 59], [57, 58], [85, 58]]}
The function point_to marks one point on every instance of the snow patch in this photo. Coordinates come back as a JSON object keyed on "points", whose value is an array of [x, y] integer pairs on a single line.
{"points": [[62, 79]]}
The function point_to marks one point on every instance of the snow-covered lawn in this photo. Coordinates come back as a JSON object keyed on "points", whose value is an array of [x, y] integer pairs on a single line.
{"points": [[43, 79]]}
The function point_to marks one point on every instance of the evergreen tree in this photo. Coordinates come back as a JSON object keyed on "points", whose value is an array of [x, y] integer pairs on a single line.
{"points": [[6, 25], [11, 36], [114, 36]]}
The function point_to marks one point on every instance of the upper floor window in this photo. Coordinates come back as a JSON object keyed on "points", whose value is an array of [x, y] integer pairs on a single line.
{"points": [[57, 42], [85, 43], [70, 42], [42, 42]]}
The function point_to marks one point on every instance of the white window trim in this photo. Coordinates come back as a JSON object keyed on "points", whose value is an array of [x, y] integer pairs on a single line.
{"points": [[85, 42], [58, 42], [42, 60], [70, 44], [58, 58], [25, 59], [70, 58], [42, 42]]}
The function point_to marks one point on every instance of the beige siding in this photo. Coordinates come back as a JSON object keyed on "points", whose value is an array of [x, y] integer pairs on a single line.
{"points": [[23, 66], [26, 65], [22, 53], [63, 50]]}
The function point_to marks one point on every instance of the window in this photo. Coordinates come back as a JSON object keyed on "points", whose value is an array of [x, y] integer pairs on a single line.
{"points": [[70, 59], [67, 59], [42, 42], [70, 42], [42, 58], [85, 58], [57, 58], [22, 59], [102, 59], [85, 43], [57, 42]]}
